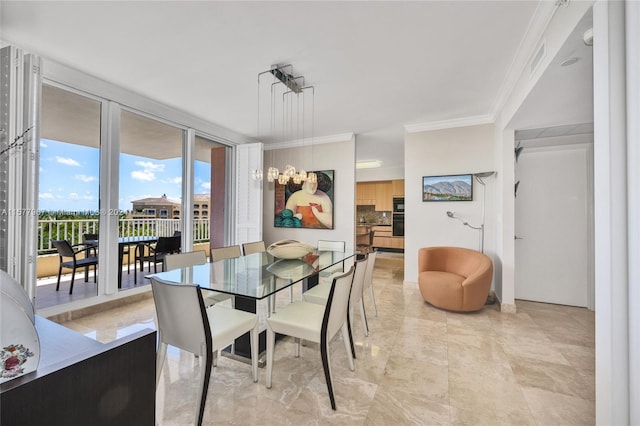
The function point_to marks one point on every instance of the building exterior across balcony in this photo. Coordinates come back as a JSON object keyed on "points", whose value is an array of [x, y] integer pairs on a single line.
{"points": [[166, 208]]}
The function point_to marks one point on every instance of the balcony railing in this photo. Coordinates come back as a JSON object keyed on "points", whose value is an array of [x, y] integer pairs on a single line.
{"points": [[72, 230]]}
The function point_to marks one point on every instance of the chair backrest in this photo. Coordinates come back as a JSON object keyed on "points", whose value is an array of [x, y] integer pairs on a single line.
{"points": [[335, 313], [168, 245], [255, 247], [328, 245], [368, 277], [182, 260], [358, 281], [221, 253], [177, 233], [64, 248], [182, 319], [89, 237]]}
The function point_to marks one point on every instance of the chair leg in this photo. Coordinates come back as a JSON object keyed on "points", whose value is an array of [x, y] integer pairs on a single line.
{"points": [[73, 276], [162, 353], [324, 353], [297, 340], [365, 324], [350, 334], [215, 358], [59, 273], [271, 343], [373, 299], [254, 353], [204, 386], [345, 336]]}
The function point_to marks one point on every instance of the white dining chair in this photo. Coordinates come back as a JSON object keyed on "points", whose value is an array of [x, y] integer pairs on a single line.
{"points": [[254, 247], [315, 323], [336, 246], [222, 253], [320, 294], [191, 258], [368, 280], [184, 322]]}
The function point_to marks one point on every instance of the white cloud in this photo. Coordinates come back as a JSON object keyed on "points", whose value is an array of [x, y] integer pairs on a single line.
{"points": [[85, 178], [46, 196], [149, 166], [73, 196], [41, 170], [67, 161], [88, 197], [43, 145], [206, 185], [176, 180], [143, 175]]}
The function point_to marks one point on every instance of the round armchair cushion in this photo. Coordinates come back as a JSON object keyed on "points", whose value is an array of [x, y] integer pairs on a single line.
{"points": [[454, 278]]}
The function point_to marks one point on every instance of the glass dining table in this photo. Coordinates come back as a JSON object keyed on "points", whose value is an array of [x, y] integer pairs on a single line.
{"points": [[256, 277]]}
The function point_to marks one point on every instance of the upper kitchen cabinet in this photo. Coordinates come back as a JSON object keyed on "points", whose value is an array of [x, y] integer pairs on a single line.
{"points": [[366, 193], [397, 187], [384, 196]]}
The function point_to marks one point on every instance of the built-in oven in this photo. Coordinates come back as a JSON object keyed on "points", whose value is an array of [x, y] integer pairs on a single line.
{"points": [[398, 224], [398, 205]]}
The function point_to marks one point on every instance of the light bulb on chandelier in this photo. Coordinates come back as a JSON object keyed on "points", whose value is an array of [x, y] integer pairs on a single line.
{"points": [[292, 91]]}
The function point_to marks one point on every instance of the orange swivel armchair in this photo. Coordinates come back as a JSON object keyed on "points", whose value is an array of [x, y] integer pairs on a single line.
{"points": [[454, 278]]}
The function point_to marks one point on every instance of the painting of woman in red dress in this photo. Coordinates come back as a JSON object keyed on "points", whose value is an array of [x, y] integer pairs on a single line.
{"points": [[306, 205]]}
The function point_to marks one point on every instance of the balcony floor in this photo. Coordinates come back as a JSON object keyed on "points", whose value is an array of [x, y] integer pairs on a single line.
{"points": [[47, 296]]}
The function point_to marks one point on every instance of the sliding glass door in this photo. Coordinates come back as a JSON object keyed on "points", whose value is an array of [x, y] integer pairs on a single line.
{"points": [[150, 187], [68, 195]]}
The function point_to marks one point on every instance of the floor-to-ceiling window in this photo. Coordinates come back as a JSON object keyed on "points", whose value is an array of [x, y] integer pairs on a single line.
{"points": [[102, 150], [68, 198], [150, 186]]}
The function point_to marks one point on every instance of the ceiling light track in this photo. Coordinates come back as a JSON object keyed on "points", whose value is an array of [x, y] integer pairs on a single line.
{"points": [[287, 79]]}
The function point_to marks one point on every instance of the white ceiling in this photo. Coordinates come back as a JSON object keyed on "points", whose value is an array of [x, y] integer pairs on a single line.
{"points": [[376, 66]]}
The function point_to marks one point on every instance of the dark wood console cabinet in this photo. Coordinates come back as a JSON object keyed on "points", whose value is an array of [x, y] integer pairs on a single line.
{"points": [[80, 381]]}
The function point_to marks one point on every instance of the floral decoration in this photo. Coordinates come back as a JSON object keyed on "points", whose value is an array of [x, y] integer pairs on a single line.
{"points": [[13, 358]]}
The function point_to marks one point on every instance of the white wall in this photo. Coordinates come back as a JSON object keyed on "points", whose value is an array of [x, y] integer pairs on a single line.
{"points": [[338, 156], [381, 173], [447, 152], [559, 28]]}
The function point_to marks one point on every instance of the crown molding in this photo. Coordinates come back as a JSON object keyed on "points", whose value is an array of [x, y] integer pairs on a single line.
{"points": [[449, 124], [528, 46], [299, 143]]}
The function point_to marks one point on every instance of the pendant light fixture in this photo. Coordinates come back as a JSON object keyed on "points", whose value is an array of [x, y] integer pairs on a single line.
{"points": [[289, 105]]}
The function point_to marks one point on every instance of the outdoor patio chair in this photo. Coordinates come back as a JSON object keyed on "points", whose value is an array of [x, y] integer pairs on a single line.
{"points": [[145, 252], [66, 250]]}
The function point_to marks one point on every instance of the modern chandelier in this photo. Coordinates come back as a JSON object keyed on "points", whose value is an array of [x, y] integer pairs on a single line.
{"points": [[291, 119]]}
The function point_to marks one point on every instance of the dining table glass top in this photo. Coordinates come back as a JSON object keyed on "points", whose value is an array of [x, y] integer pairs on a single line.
{"points": [[256, 275]]}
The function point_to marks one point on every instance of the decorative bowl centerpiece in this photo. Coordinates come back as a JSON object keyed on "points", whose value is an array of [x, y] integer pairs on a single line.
{"points": [[289, 249]]}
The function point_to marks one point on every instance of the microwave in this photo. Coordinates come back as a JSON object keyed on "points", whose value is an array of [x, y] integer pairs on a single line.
{"points": [[398, 205]]}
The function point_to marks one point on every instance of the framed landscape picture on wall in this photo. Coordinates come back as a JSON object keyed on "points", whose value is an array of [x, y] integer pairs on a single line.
{"points": [[305, 205], [447, 188]]}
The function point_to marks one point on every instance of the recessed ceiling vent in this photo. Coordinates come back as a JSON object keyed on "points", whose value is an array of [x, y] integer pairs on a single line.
{"points": [[538, 57]]}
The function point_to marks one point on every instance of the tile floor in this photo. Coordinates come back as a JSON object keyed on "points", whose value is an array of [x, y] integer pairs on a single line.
{"points": [[419, 365], [48, 296]]}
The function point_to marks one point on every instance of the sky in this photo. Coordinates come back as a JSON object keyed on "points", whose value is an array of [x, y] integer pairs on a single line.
{"points": [[69, 178]]}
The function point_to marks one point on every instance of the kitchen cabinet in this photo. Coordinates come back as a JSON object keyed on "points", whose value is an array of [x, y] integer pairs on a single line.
{"points": [[384, 196], [383, 238], [366, 193], [397, 187]]}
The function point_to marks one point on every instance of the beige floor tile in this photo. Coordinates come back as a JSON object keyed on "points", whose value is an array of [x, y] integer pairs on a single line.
{"points": [[419, 366], [402, 407], [550, 408]]}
